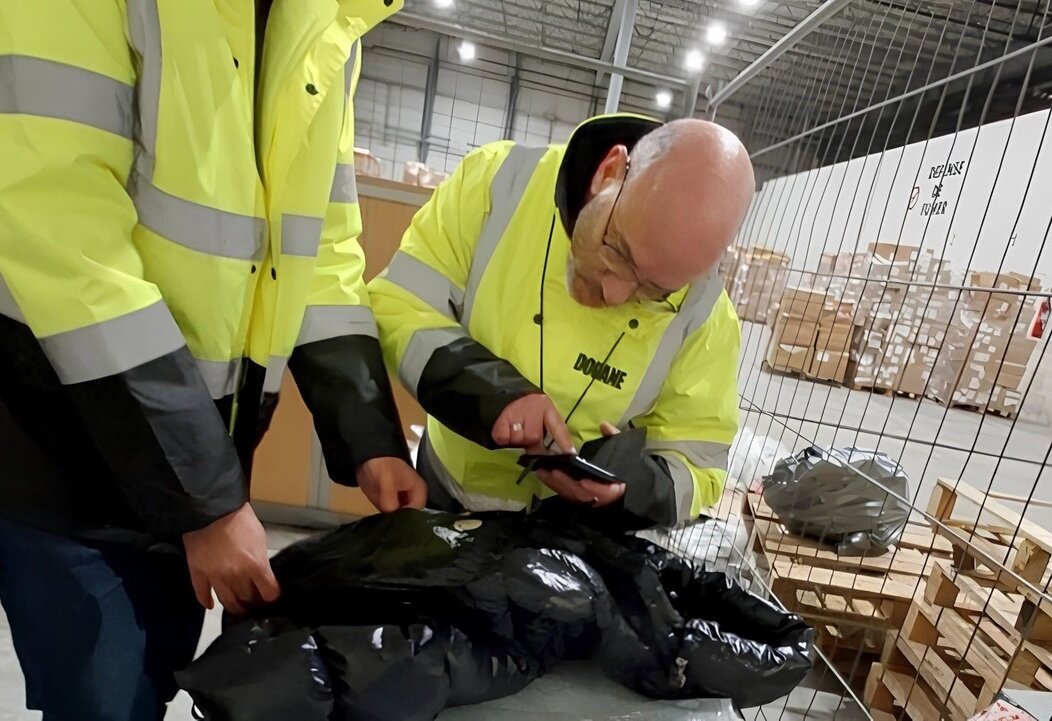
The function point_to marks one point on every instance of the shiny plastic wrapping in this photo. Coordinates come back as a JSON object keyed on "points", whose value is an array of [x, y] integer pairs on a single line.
{"points": [[827, 495], [402, 615]]}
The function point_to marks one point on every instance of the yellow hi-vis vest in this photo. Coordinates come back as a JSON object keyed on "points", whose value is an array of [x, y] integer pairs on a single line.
{"points": [[469, 270], [136, 213], [175, 222]]}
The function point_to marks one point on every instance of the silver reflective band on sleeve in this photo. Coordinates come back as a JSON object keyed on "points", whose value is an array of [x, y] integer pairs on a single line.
{"points": [[697, 306], [703, 454], [195, 226], [300, 235], [220, 376], [321, 322], [418, 352], [276, 366], [429, 285], [506, 191], [48, 89], [683, 487], [113, 346], [8, 304], [144, 27], [344, 184]]}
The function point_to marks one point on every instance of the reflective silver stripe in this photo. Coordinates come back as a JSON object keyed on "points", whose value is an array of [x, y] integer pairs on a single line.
{"points": [[300, 235], [195, 226], [697, 306], [113, 346], [703, 454], [8, 304], [429, 285], [506, 191], [683, 487], [144, 26], [276, 366], [348, 71], [220, 376], [32, 86], [470, 501], [418, 352], [321, 322], [344, 185]]}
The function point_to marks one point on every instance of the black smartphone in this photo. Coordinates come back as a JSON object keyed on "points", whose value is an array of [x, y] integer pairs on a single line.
{"points": [[574, 466]]}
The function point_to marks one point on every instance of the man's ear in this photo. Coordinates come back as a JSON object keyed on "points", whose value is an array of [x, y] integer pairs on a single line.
{"points": [[612, 167]]}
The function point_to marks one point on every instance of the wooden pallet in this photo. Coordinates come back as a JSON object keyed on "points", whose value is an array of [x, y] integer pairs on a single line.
{"points": [[977, 629], [851, 600]]}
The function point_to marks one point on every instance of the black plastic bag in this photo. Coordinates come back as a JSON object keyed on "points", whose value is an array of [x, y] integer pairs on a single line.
{"points": [[261, 670], [462, 609], [827, 496]]}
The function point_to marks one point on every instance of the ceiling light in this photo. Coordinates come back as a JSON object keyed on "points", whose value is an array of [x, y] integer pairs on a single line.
{"points": [[466, 50], [444, 3], [716, 34], [663, 98], [694, 61], [749, 3]]}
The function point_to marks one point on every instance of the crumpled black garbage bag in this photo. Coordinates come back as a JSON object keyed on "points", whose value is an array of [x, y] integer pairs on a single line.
{"points": [[416, 611], [826, 495]]}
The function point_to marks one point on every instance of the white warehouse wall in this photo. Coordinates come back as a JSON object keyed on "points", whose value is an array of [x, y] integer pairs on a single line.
{"points": [[979, 198]]}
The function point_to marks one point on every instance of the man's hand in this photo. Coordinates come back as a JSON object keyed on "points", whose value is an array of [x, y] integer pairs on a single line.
{"points": [[391, 483], [230, 556], [588, 492], [525, 422]]}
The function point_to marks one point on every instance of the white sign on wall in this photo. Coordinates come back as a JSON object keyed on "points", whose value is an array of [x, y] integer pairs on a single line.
{"points": [[981, 198]]}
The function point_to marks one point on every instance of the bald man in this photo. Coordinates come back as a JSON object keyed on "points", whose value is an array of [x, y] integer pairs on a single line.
{"points": [[545, 298]]}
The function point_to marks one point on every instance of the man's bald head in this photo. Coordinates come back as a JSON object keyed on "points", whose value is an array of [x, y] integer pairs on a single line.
{"points": [[687, 189]]}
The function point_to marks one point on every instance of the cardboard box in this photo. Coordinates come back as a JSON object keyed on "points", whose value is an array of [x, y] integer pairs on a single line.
{"points": [[790, 358], [895, 252], [829, 366], [803, 302], [835, 339], [793, 330]]}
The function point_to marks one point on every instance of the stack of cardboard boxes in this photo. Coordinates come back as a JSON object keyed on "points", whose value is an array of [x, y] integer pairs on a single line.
{"points": [[795, 330], [811, 335], [985, 355], [876, 320], [893, 312], [757, 281]]}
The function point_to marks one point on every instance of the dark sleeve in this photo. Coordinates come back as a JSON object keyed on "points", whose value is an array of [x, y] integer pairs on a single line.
{"points": [[650, 490], [466, 387], [346, 388], [164, 440]]}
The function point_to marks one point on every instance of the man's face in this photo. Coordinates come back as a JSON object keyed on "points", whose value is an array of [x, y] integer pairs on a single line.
{"points": [[601, 270]]}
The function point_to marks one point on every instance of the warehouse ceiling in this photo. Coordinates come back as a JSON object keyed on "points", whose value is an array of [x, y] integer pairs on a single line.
{"points": [[867, 52]]}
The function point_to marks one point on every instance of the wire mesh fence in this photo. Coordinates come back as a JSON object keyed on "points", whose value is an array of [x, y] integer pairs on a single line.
{"points": [[893, 281]]}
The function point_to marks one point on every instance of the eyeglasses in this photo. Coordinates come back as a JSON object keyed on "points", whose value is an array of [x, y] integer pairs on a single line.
{"points": [[619, 263]]}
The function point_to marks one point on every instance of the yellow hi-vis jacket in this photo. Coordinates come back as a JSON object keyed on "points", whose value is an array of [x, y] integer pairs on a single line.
{"points": [[178, 218], [461, 318]]}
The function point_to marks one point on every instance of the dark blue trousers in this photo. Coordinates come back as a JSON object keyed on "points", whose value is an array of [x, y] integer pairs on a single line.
{"points": [[98, 629]]}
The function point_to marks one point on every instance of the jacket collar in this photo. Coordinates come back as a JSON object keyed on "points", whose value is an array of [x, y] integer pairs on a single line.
{"points": [[587, 146]]}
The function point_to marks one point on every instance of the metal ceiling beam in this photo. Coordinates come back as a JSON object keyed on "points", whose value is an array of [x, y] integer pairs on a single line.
{"points": [[611, 38], [626, 24], [827, 10], [443, 27]]}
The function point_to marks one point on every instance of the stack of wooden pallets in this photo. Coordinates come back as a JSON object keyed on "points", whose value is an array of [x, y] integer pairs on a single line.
{"points": [[977, 629], [852, 601]]}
